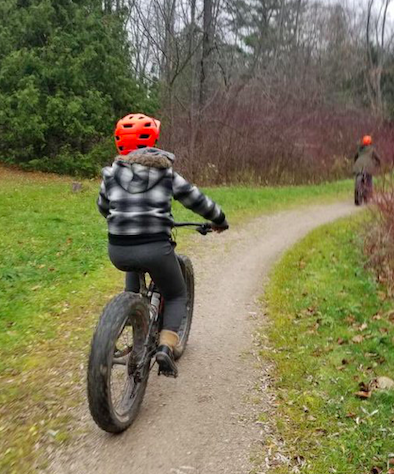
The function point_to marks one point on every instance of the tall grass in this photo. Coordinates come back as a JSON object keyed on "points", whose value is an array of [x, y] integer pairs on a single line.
{"points": [[331, 335]]}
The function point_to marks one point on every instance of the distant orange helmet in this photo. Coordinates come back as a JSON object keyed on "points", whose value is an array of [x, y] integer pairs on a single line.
{"points": [[367, 140], [136, 131]]}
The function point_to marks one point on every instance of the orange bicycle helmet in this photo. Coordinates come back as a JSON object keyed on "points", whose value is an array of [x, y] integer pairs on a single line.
{"points": [[367, 140], [136, 131]]}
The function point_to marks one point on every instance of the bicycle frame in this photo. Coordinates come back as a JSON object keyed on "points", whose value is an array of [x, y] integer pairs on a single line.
{"points": [[153, 330], [151, 342]]}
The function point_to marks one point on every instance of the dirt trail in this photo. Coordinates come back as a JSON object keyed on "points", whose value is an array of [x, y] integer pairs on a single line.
{"points": [[204, 421]]}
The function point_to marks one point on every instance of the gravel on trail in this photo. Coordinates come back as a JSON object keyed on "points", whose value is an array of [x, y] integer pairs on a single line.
{"points": [[205, 421]]}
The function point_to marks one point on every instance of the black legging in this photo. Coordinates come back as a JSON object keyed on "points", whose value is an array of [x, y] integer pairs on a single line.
{"points": [[160, 261]]}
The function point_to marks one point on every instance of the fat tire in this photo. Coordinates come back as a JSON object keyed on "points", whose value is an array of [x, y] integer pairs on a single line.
{"points": [[124, 308], [188, 275], [358, 191]]}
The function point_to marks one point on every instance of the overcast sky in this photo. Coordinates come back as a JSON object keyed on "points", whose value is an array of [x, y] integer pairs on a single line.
{"points": [[360, 4]]}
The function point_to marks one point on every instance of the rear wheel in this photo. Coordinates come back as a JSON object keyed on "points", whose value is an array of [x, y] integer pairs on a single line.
{"points": [[359, 190], [184, 330], [115, 386]]}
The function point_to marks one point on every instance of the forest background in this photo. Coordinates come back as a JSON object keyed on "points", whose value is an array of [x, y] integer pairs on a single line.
{"points": [[249, 91]]}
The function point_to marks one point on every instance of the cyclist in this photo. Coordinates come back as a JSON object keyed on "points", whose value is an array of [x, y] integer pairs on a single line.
{"points": [[366, 161], [135, 198]]}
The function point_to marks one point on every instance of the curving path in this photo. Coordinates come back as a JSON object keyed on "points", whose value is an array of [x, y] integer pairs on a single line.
{"points": [[204, 422]]}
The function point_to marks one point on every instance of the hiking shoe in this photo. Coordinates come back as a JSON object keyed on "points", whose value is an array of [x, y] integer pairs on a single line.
{"points": [[166, 362]]}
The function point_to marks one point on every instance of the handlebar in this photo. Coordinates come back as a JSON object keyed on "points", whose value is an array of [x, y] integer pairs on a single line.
{"points": [[202, 227]]}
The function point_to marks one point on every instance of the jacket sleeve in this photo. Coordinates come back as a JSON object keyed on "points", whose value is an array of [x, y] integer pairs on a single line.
{"points": [[376, 158], [356, 156], [102, 201], [192, 198]]}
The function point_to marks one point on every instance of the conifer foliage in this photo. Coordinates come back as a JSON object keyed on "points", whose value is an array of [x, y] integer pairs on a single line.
{"points": [[65, 77]]}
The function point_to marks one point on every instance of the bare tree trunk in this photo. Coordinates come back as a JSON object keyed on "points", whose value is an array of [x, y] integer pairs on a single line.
{"points": [[169, 19], [375, 65], [206, 49], [297, 22], [279, 34], [193, 70]]}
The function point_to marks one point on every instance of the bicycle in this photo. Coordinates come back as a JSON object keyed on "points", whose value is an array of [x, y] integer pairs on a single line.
{"points": [[362, 189], [124, 343]]}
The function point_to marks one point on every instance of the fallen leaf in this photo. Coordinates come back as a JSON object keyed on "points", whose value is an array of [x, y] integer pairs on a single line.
{"points": [[364, 387], [363, 395], [350, 415], [358, 339], [384, 383], [340, 341], [376, 470], [382, 295], [363, 327], [350, 319]]}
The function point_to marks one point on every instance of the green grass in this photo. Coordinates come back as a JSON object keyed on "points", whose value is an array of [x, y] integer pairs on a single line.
{"points": [[54, 279], [319, 299]]}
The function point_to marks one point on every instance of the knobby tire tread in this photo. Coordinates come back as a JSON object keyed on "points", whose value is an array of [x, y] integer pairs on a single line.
{"points": [[113, 318], [188, 273]]}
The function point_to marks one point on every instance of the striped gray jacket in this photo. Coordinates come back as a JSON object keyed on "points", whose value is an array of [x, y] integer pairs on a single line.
{"points": [[137, 190]]}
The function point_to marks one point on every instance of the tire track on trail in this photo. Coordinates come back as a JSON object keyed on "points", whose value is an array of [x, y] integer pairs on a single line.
{"points": [[204, 422]]}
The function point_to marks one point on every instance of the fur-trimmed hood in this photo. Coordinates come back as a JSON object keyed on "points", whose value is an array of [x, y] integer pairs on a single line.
{"points": [[152, 157], [142, 169]]}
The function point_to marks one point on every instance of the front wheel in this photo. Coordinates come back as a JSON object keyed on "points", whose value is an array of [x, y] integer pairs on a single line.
{"points": [[184, 330], [117, 373]]}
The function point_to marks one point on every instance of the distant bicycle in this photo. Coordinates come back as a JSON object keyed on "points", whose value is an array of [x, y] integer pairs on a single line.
{"points": [[363, 188], [123, 345]]}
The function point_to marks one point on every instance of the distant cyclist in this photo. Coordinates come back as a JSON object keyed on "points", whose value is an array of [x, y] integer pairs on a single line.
{"points": [[366, 162], [135, 197]]}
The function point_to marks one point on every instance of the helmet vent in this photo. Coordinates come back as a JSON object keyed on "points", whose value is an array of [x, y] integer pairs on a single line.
{"points": [[121, 148], [128, 125], [144, 136], [141, 146], [117, 138], [147, 124]]}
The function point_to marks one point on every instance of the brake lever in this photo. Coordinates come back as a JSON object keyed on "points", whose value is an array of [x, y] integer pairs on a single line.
{"points": [[203, 229]]}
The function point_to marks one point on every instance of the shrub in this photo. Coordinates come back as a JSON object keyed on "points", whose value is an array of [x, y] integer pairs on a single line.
{"points": [[65, 79], [246, 135], [380, 238], [75, 163]]}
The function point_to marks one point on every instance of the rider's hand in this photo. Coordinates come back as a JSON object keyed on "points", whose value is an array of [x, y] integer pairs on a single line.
{"points": [[220, 228]]}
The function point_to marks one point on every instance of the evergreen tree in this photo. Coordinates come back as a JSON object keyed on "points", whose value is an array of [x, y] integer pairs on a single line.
{"points": [[65, 77]]}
